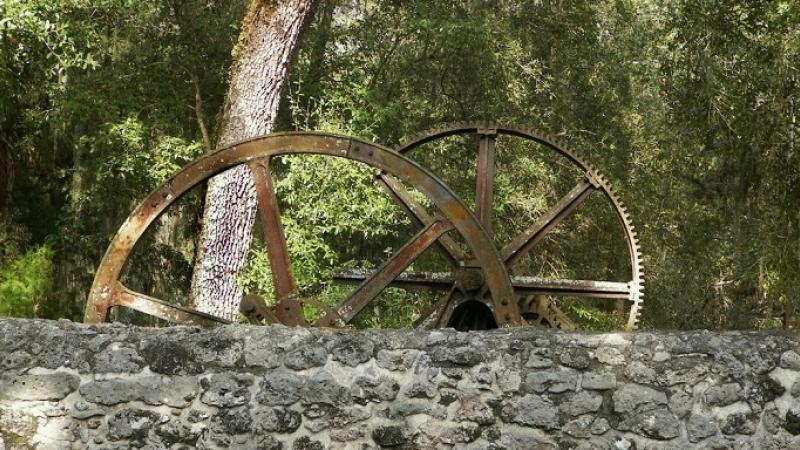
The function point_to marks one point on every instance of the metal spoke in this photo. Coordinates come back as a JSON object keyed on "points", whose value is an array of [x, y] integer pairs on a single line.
{"points": [[425, 281], [525, 241], [484, 178], [433, 319], [571, 288], [381, 278], [157, 308], [288, 309], [447, 246], [256, 310]]}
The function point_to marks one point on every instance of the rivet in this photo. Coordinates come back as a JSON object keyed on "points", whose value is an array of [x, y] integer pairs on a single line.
{"points": [[371, 153]]}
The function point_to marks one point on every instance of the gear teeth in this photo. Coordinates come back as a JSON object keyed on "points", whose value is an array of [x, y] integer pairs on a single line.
{"points": [[559, 143]]}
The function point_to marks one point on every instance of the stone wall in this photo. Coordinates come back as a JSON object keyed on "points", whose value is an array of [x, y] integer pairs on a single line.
{"points": [[66, 385]]}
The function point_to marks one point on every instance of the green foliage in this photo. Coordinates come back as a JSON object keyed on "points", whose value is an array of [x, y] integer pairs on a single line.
{"points": [[684, 106], [25, 282]]}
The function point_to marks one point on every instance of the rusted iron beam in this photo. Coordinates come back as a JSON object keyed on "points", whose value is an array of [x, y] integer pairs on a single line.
{"points": [[484, 178], [447, 246], [288, 309], [513, 252], [256, 310], [381, 278], [163, 310]]}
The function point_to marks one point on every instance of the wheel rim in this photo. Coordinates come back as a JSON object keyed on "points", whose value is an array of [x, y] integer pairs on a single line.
{"points": [[530, 289], [107, 291]]}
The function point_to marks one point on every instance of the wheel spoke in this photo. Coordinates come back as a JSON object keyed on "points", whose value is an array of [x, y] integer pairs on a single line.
{"points": [[256, 310], [288, 310], [571, 288], [484, 178], [434, 317], [525, 241], [424, 281], [447, 246], [381, 278], [155, 307]]}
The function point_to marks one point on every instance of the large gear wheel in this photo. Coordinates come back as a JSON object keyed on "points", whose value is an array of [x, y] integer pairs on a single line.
{"points": [[537, 297], [450, 219]]}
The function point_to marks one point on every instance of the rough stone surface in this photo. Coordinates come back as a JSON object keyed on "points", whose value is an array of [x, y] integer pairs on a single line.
{"points": [[72, 386]]}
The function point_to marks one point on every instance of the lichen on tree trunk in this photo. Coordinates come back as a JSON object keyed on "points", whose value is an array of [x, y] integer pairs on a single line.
{"points": [[268, 39]]}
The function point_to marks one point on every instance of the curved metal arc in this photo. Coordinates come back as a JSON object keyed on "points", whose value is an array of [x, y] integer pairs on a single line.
{"points": [[474, 127], [300, 143]]}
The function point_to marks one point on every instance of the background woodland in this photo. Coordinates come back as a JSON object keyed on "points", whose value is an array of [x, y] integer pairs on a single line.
{"points": [[686, 106]]}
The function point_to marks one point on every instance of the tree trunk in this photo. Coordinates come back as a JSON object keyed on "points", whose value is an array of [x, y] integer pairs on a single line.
{"points": [[267, 41]]}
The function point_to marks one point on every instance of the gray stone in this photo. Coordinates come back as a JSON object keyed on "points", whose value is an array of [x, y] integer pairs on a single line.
{"points": [[268, 443], [530, 410], [795, 391], [764, 389], [792, 424], [132, 424], [526, 439], [459, 434], [740, 423], [396, 359], [388, 436], [638, 372], [233, 421], [280, 387], [53, 386], [404, 408], [680, 403], [539, 359], [556, 381], [306, 357], [772, 420], [581, 403], [723, 395], [658, 424], [17, 359], [448, 396], [632, 397], [349, 434], [790, 360], [170, 358], [460, 356], [509, 380], [366, 390], [420, 390], [699, 427], [599, 380], [322, 387], [216, 349], [176, 392], [575, 357], [353, 351], [580, 427], [472, 409], [306, 443], [258, 353], [609, 355], [116, 358], [226, 390], [600, 426], [276, 420], [175, 432]]}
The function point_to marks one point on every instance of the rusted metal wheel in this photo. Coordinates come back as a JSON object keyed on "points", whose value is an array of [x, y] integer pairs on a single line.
{"points": [[450, 218], [537, 296]]}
